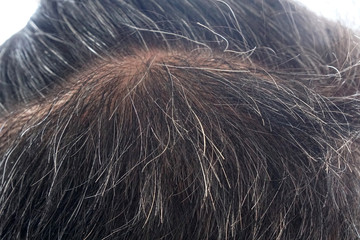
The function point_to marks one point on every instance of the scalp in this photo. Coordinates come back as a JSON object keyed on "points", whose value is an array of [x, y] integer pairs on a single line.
{"points": [[139, 120]]}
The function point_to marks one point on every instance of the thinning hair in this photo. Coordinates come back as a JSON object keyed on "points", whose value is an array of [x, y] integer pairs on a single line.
{"points": [[202, 119]]}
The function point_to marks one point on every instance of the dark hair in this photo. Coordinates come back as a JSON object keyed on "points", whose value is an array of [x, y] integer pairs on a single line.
{"points": [[202, 119]]}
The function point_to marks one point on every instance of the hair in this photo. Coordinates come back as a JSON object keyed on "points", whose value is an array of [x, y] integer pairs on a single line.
{"points": [[201, 119]]}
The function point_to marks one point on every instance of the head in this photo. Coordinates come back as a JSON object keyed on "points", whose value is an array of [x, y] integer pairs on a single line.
{"points": [[179, 119]]}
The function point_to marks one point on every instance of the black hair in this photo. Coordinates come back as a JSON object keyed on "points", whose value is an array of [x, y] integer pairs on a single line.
{"points": [[179, 119]]}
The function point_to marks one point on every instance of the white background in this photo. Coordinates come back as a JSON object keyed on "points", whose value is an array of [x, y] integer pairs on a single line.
{"points": [[15, 13]]}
